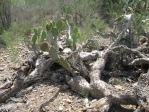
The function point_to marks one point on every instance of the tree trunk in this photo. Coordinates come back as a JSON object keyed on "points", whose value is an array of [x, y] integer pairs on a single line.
{"points": [[5, 14]]}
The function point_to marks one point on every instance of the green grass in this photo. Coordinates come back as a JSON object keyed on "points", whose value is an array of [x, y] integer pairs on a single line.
{"points": [[16, 34], [86, 32], [11, 38], [99, 24], [40, 10]]}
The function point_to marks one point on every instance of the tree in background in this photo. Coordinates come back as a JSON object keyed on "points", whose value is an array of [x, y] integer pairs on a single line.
{"points": [[5, 15]]}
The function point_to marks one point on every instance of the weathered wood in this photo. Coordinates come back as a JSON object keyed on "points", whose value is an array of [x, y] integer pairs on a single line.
{"points": [[25, 78]]}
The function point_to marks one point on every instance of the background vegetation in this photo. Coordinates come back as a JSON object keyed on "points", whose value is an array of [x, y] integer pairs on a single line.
{"points": [[18, 17]]}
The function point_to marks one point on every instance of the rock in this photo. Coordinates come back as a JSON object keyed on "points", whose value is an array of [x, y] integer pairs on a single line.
{"points": [[99, 103], [118, 87], [45, 109], [60, 108], [60, 44], [68, 100], [67, 50], [86, 102], [1, 68]]}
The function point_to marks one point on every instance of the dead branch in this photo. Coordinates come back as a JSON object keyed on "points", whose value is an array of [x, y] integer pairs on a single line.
{"points": [[24, 79], [140, 61], [86, 56]]}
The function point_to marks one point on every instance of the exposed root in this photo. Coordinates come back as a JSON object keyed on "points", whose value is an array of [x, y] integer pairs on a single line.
{"points": [[140, 61]]}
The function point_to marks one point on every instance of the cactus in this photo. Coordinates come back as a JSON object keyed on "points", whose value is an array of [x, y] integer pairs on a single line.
{"points": [[39, 30], [34, 39], [64, 63], [59, 25], [43, 36], [66, 11], [49, 26], [53, 30], [44, 47], [54, 54], [72, 35], [75, 36], [43, 39], [37, 36]]}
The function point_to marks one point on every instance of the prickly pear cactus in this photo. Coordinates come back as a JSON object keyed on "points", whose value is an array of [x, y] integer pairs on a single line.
{"points": [[44, 47], [64, 63], [47, 41]]}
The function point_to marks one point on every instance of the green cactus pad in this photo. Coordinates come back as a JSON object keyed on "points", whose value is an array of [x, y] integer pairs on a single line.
{"points": [[64, 63], [43, 36], [39, 31], [44, 47], [49, 26], [34, 38], [59, 25], [54, 32], [53, 53], [36, 31]]}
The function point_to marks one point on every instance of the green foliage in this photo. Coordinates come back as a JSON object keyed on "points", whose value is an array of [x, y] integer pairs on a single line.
{"points": [[83, 92], [99, 24], [86, 32], [67, 12], [146, 26], [5, 13], [64, 63], [14, 34], [54, 54], [66, 9], [75, 36], [59, 25], [43, 36], [139, 9], [53, 30], [44, 47], [11, 38], [84, 15], [47, 41]]}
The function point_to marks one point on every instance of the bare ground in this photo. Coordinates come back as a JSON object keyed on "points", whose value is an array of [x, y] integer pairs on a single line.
{"points": [[40, 93]]}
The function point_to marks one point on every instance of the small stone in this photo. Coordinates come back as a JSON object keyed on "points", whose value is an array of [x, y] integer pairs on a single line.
{"points": [[45, 109], [67, 50], [68, 100], [99, 103], [1, 68], [118, 87], [61, 108], [32, 99], [85, 100], [19, 104]]}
